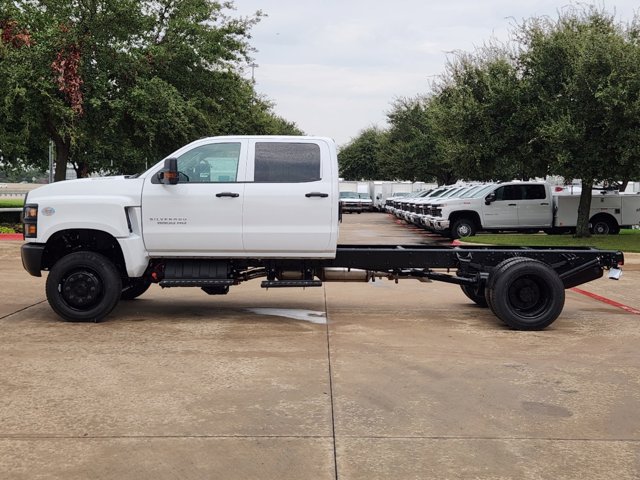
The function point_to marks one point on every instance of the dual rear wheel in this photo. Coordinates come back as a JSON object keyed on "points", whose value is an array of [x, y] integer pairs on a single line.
{"points": [[524, 293]]}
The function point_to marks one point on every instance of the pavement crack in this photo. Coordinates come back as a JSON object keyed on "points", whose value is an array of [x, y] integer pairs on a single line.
{"points": [[333, 416], [22, 309]]}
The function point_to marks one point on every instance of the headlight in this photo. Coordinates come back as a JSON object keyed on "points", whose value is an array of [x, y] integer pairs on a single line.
{"points": [[30, 220]]}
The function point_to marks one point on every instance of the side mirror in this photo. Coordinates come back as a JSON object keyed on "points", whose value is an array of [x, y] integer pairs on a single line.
{"points": [[169, 174], [490, 198]]}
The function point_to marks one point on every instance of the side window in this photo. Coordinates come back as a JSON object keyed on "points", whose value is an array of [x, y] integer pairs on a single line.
{"points": [[277, 162], [509, 192], [534, 192], [213, 163]]}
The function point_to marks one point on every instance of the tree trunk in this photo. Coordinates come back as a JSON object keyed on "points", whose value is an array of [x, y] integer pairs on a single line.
{"points": [[62, 157], [624, 185], [582, 228]]}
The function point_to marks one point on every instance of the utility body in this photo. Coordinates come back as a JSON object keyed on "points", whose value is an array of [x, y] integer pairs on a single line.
{"points": [[224, 210]]}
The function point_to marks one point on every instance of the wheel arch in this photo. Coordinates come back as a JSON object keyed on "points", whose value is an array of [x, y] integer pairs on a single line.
{"points": [[470, 214], [68, 241], [609, 218]]}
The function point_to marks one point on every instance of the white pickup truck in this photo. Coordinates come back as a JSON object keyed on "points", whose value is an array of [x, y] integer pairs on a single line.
{"points": [[225, 210], [529, 206]]}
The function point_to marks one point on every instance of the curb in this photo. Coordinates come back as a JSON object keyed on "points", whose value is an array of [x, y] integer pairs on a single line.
{"points": [[11, 236]]}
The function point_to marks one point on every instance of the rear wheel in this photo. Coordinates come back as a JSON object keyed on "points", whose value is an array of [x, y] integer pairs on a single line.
{"points": [[83, 287], [604, 225], [527, 295], [476, 294]]}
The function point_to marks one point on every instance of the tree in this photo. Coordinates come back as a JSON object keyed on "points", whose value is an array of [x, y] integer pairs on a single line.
{"points": [[118, 83], [482, 119], [412, 152], [360, 158], [584, 71]]}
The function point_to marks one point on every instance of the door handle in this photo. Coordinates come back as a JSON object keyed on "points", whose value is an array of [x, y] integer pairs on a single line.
{"points": [[544, 204], [227, 194], [316, 194], [512, 204]]}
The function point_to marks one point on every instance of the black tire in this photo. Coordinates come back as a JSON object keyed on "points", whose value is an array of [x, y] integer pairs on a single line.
{"points": [[475, 294], [501, 267], [83, 287], [604, 226], [134, 287], [527, 295], [463, 227]]}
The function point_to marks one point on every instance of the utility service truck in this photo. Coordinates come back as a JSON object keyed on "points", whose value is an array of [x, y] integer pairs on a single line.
{"points": [[225, 210], [522, 206]]}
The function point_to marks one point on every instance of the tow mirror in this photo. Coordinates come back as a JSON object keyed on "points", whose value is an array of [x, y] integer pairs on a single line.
{"points": [[490, 198], [169, 174]]}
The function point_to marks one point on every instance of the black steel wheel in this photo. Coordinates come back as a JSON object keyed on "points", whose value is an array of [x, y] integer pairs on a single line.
{"points": [[83, 287], [488, 288], [476, 294], [463, 227], [134, 287], [527, 295]]}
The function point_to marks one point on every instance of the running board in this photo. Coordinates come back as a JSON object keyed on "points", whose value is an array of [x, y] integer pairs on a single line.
{"points": [[290, 283]]}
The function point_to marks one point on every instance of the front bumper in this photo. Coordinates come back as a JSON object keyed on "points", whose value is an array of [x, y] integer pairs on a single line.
{"points": [[440, 225], [31, 254]]}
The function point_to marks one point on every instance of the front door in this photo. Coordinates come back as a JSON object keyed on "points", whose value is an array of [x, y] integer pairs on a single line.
{"points": [[503, 211], [202, 214]]}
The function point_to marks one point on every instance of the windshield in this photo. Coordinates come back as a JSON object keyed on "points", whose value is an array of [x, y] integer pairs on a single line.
{"points": [[472, 191], [364, 196], [483, 191], [348, 195]]}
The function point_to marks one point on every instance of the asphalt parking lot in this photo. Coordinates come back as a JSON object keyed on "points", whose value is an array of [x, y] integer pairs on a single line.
{"points": [[354, 381]]}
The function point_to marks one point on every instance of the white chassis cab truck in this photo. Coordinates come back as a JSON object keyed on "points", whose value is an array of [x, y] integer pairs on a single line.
{"points": [[225, 210]]}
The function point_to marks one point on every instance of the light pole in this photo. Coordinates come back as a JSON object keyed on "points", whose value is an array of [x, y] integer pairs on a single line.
{"points": [[253, 66]]}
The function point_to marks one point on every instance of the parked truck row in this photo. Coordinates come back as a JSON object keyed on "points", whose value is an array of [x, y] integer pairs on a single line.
{"points": [[226, 210], [462, 210]]}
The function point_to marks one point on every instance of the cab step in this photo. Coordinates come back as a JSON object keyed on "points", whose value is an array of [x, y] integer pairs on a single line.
{"points": [[290, 283]]}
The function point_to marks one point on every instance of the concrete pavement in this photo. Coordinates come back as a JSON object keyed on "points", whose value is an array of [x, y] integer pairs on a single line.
{"points": [[402, 381]]}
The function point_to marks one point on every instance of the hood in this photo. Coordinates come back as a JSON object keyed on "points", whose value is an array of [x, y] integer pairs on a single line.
{"points": [[118, 186]]}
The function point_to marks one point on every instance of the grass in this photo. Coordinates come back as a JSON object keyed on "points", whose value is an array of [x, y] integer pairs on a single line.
{"points": [[11, 202], [626, 241]]}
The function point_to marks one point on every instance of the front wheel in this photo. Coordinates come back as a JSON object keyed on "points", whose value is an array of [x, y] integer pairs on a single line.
{"points": [[83, 287], [134, 287], [463, 227]]}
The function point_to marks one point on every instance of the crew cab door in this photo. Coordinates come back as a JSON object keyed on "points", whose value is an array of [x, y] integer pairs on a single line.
{"points": [[291, 200], [535, 208], [202, 214], [502, 210]]}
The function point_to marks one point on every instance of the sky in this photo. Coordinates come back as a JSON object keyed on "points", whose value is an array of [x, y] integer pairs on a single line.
{"points": [[335, 67]]}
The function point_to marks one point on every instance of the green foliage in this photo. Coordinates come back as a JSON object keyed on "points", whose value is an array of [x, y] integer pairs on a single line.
{"points": [[360, 159], [11, 202], [583, 69], [120, 83], [411, 151]]}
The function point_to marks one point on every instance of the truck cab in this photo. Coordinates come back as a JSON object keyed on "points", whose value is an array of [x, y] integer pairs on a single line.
{"points": [[507, 206]]}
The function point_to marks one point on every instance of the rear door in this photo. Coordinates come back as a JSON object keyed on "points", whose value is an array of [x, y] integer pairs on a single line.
{"points": [[290, 200], [534, 210]]}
